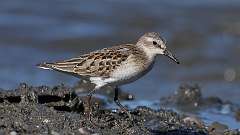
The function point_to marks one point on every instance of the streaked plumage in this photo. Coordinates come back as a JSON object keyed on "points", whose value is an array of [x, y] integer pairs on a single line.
{"points": [[99, 63]]}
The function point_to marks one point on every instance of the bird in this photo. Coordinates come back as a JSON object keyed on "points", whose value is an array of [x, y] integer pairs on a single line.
{"points": [[114, 66]]}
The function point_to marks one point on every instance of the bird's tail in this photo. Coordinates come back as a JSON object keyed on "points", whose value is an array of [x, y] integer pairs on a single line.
{"points": [[48, 66]]}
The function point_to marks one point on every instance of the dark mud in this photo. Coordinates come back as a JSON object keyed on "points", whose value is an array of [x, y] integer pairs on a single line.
{"points": [[58, 110]]}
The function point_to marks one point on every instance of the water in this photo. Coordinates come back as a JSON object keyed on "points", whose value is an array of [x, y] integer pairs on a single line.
{"points": [[203, 34]]}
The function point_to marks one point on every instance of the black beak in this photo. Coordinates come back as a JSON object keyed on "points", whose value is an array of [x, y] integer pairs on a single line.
{"points": [[171, 56]]}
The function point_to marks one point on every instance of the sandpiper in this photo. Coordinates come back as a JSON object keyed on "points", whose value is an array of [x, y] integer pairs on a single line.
{"points": [[115, 66]]}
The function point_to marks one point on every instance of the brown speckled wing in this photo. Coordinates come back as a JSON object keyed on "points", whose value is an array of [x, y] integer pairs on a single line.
{"points": [[98, 63]]}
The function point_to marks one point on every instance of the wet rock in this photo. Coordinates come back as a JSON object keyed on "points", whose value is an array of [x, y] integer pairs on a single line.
{"points": [[54, 133], [186, 97], [232, 132], [237, 114], [13, 133], [217, 128], [85, 131], [45, 110], [189, 98], [192, 120]]}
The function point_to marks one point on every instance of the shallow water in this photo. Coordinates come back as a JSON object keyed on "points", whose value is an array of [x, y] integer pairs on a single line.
{"points": [[203, 34]]}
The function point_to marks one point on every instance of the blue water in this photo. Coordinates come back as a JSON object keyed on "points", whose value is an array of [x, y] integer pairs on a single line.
{"points": [[203, 34]]}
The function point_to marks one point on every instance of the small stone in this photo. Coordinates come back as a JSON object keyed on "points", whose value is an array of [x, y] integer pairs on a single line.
{"points": [[46, 121], [85, 131], [237, 115], [191, 120], [54, 133], [13, 133], [217, 128]]}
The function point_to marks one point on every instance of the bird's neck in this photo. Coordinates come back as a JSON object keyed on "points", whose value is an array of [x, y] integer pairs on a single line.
{"points": [[148, 53]]}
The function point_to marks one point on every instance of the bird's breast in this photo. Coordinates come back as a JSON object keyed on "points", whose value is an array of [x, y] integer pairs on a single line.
{"points": [[131, 70]]}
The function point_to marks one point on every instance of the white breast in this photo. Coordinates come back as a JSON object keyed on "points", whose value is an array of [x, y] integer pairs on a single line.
{"points": [[130, 71], [125, 71]]}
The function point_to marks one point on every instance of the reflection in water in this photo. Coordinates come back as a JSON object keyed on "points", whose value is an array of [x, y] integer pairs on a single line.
{"points": [[203, 34]]}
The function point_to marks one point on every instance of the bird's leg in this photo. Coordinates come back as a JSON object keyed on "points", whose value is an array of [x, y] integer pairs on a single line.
{"points": [[89, 97], [116, 100]]}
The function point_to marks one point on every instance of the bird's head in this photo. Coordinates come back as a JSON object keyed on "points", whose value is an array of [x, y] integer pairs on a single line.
{"points": [[154, 44]]}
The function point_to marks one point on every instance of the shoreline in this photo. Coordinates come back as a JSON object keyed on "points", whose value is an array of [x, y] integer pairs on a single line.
{"points": [[58, 110]]}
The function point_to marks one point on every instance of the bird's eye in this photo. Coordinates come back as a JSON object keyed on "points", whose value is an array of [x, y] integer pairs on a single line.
{"points": [[154, 42]]}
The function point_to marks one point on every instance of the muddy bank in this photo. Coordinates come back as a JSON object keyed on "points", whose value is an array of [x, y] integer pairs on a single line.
{"points": [[189, 99], [58, 110]]}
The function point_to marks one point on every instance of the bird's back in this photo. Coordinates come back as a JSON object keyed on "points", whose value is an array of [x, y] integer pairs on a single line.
{"points": [[100, 63]]}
